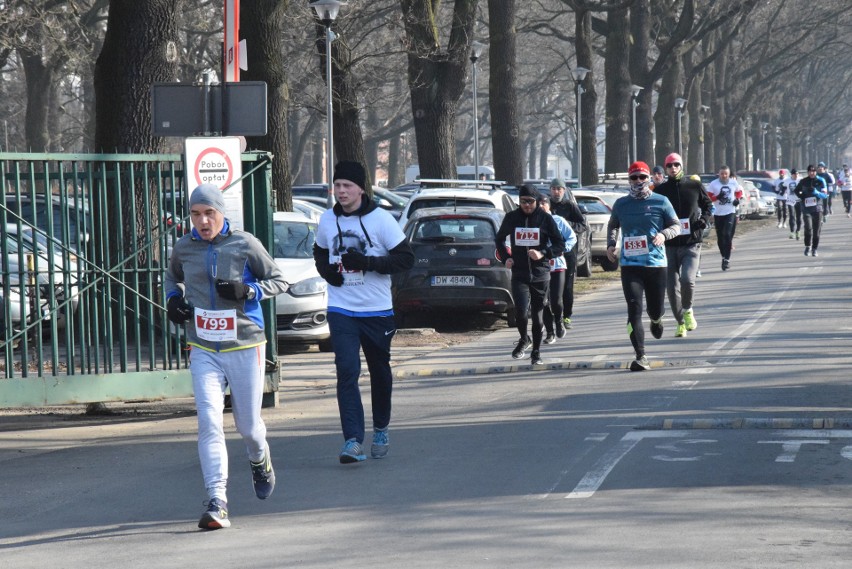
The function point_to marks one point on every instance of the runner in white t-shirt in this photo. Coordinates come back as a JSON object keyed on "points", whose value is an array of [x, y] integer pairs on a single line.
{"points": [[726, 193]]}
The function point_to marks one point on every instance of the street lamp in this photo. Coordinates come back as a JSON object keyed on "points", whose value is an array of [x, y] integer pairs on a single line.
{"points": [[763, 128], [326, 11], [579, 75], [475, 52], [679, 103], [635, 89]]}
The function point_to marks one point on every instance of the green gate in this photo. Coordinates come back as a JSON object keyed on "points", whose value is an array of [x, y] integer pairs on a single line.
{"points": [[85, 244]]}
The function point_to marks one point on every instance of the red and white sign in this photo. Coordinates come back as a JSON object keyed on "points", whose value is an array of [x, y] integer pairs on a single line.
{"points": [[217, 160]]}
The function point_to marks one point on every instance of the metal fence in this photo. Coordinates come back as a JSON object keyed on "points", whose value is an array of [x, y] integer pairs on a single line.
{"points": [[85, 244]]}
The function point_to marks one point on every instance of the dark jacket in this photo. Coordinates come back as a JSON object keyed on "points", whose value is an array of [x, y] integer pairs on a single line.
{"points": [[569, 211], [690, 202], [550, 243], [811, 188]]}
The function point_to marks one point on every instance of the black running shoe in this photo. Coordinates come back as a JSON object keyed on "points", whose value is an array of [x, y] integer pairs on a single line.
{"points": [[814, 253], [726, 264], [263, 476], [640, 364], [549, 339], [535, 358], [657, 328], [560, 330], [522, 347], [807, 251]]}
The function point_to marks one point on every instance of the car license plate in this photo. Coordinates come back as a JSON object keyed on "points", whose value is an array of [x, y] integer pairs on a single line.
{"points": [[455, 280]]}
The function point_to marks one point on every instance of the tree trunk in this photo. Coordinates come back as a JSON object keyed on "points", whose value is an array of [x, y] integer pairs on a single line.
{"points": [[262, 22], [589, 101], [39, 83], [132, 58], [665, 119], [505, 131], [618, 95], [436, 79], [640, 25]]}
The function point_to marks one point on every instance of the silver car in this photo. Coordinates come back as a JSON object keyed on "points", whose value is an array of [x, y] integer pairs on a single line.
{"points": [[49, 281], [301, 312]]}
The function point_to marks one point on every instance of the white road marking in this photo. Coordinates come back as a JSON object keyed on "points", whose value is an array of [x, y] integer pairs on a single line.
{"points": [[791, 448], [593, 479]]}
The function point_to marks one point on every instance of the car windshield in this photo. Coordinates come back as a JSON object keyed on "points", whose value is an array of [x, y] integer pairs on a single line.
{"points": [[453, 229], [294, 239], [592, 205]]}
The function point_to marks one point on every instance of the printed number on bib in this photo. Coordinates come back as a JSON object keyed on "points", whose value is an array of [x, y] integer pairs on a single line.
{"points": [[216, 325], [635, 246], [685, 226], [810, 202], [527, 236]]}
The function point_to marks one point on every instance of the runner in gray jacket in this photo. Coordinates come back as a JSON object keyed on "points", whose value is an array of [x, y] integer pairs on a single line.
{"points": [[215, 281]]}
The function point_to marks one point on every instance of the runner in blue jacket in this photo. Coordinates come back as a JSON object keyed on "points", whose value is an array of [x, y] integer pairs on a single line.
{"points": [[646, 220]]}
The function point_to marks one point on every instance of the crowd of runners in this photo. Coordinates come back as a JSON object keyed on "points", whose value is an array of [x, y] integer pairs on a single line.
{"points": [[655, 233]]}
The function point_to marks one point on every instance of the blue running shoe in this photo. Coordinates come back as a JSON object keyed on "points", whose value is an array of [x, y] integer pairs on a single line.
{"points": [[216, 516], [352, 452], [380, 446], [263, 476]]}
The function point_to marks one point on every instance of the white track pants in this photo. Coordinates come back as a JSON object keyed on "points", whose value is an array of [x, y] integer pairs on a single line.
{"points": [[242, 371]]}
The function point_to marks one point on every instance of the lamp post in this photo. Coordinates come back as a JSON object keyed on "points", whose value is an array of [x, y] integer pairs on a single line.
{"points": [[579, 75], [680, 103], [326, 11], [763, 127], [475, 52], [635, 90]]}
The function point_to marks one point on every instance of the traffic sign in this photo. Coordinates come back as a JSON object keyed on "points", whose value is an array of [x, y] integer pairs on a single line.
{"points": [[216, 160]]}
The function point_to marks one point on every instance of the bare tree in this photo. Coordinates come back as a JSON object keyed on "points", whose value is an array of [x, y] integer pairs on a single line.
{"points": [[506, 135], [436, 78], [262, 21]]}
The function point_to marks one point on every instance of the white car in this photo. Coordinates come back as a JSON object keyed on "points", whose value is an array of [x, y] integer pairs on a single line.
{"points": [[301, 312], [309, 209], [598, 212], [457, 193]]}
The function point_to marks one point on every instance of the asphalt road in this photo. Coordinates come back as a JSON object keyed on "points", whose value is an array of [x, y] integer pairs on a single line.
{"points": [[733, 452]]}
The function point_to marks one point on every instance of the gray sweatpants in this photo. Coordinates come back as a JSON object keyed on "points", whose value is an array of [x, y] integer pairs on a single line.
{"points": [[683, 264]]}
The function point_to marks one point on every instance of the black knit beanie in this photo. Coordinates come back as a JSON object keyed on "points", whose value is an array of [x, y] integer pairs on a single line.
{"points": [[354, 172]]}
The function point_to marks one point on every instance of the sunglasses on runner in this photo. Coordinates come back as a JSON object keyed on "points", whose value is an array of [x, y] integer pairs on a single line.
{"points": [[527, 201], [673, 165], [635, 177]]}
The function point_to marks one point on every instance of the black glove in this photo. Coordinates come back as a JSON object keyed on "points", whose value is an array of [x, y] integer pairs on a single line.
{"points": [[736, 202], [332, 275], [232, 290], [701, 223], [179, 310], [354, 261]]}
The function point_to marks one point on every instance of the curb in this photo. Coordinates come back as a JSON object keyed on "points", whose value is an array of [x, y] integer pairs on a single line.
{"points": [[514, 368], [749, 423]]}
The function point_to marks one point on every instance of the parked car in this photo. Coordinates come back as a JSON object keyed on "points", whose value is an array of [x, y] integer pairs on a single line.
{"points": [[456, 267], [40, 275], [455, 193], [385, 199], [301, 312], [309, 209], [70, 215], [597, 213]]}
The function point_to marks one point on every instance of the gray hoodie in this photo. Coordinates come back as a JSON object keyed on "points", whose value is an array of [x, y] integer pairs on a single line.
{"points": [[196, 265]]}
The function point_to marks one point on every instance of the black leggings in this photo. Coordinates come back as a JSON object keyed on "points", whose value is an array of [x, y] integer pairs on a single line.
{"points": [[795, 217], [553, 310], [637, 282], [530, 297], [813, 227], [568, 289]]}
